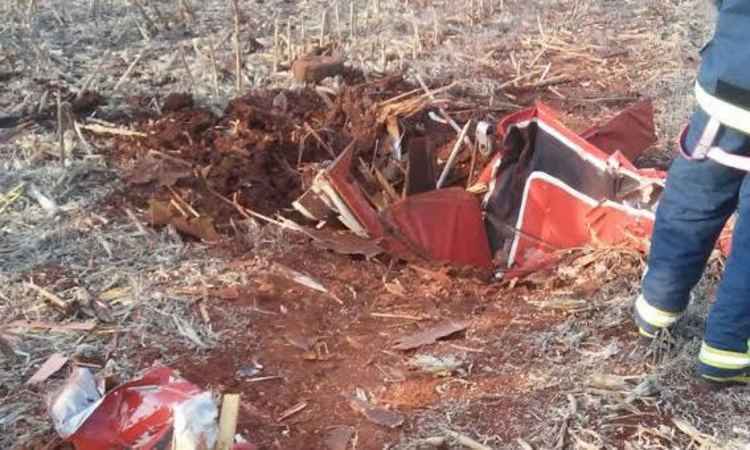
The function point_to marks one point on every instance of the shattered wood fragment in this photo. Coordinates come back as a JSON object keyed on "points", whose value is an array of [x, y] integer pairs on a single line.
{"points": [[314, 69], [430, 335], [230, 408], [292, 411], [164, 213], [50, 297], [103, 129], [300, 278], [399, 316], [452, 158], [705, 440], [392, 195], [312, 206], [19, 326], [320, 140], [52, 365], [377, 415]]}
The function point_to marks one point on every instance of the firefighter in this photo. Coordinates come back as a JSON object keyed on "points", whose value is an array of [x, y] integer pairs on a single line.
{"points": [[706, 184]]}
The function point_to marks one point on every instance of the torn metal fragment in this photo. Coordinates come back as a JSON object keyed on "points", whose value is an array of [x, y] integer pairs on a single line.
{"points": [[145, 414]]}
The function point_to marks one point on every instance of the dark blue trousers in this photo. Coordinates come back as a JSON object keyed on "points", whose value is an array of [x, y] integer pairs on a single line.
{"points": [[700, 196]]}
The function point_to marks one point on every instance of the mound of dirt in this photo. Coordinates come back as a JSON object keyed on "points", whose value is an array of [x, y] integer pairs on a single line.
{"points": [[260, 154]]}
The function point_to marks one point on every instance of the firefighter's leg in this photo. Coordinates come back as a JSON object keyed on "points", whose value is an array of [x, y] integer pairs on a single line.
{"points": [[724, 355], [698, 199]]}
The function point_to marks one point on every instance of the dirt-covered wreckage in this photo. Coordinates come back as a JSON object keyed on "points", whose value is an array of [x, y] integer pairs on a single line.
{"points": [[545, 189]]}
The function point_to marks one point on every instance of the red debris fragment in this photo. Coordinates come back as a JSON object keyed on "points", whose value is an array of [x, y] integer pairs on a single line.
{"points": [[550, 189], [140, 414], [445, 225], [631, 132], [555, 217]]}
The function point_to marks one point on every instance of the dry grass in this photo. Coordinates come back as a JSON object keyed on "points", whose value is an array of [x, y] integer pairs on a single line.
{"points": [[588, 57]]}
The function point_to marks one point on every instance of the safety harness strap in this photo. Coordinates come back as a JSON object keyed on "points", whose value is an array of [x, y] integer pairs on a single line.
{"points": [[726, 113], [728, 159], [705, 148]]}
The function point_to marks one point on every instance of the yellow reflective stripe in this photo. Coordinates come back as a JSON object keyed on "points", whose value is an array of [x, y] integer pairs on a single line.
{"points": [[645, 333], [723, 359], [654, 316], [738, 378]]}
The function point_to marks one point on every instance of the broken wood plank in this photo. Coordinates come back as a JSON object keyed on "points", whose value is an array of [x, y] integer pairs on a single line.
{"points": [[230, 408], [52, 365], [22, 325], [103, 129], [292, 411]]}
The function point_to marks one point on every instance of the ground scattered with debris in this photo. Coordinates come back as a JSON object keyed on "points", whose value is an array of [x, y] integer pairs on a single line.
{"points": [[141, 235]]}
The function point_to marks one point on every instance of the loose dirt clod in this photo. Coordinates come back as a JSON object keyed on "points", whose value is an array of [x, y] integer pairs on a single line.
{"points": [[314, 69], [177, 101]]}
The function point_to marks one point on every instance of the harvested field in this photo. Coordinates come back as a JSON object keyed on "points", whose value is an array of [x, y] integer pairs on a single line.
{"points": [[150, 155]]}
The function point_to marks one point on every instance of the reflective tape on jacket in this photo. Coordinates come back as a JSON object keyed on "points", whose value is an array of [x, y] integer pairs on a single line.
{"points": [[723, 359], [722, 113], [654, 316], [728, 114], [728, 159]]}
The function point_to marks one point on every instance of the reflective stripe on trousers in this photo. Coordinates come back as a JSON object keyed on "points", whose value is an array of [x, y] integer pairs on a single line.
{"points": [[723, 359], [653, 316]]}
